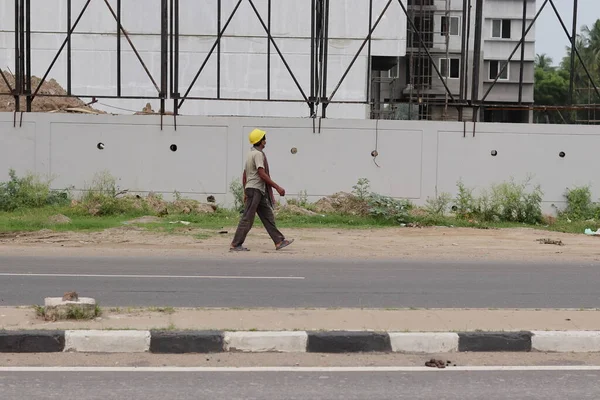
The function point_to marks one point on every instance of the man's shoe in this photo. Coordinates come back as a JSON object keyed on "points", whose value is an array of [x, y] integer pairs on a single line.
{"points": [[238, 248], [283, 244]]}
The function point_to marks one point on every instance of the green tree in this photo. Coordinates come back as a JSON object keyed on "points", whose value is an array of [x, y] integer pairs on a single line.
{"points": [[544, 62], [552, 83], [551, 89], [551, 86]]}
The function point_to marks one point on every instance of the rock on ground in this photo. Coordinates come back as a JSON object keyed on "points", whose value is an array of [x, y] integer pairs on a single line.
{"points": [[343, 203], [59, 219]]}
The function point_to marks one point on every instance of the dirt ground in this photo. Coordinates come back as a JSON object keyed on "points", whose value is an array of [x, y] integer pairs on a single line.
{"points": [[41, 104], [289, 319], [434, 243]]}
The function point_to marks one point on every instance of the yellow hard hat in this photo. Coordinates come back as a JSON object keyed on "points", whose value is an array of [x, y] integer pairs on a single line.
{"points": [[256, 136]]}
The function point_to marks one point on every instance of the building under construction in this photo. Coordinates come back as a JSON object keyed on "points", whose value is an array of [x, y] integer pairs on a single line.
{"points": [[437, 76]]}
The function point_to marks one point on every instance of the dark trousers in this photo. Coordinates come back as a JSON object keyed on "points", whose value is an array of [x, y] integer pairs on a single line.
{"points": [[257, 203]]}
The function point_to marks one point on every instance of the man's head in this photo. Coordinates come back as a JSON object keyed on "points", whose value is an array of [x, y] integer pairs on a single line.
{"points": [[258, 138]]}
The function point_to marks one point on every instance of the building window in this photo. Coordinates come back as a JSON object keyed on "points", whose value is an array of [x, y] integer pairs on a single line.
{"points": [[501, 28], [451, 28], [450, 69], [496, 68]]}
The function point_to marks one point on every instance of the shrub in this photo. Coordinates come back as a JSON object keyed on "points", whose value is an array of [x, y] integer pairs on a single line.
{"points": [[101, 198], [464, 204], [237, 189], [301, 200], [29, 192], [361, 189], [515, 204], [389, 208], [580, 205], [504, 202], [438, 206]]}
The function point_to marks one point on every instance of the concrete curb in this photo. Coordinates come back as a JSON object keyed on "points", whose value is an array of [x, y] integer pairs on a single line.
{"points": [[182, 342]]}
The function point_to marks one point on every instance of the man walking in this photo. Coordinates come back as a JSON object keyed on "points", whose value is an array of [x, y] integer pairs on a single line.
{"points": [[258, 195]]}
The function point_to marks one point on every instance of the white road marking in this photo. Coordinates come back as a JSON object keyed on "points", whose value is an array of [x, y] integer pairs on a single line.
{"points": [[153, 276], [304, 369]]}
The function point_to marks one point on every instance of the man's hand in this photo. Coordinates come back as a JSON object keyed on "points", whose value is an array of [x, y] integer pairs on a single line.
{"points": [[280, 190]]}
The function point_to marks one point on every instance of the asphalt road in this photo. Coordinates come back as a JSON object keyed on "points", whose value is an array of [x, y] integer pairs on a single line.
{"points": [[197, 282], [447, 385]]}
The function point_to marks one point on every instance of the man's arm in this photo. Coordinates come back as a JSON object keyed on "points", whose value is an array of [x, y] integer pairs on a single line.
{"points": [[263, 175], [244, 185]]}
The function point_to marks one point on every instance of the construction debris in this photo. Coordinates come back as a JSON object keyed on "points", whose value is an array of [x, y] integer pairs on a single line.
{"points": [[433, 363], [342, 203], [551, 241], [42, 103]]}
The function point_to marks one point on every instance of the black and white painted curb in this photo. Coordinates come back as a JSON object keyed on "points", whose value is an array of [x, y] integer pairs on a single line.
{"points": [[182, 342]]}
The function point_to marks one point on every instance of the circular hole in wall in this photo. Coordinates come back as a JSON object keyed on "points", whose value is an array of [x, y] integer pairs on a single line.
{"points": [[562, 154], [374, 153], [494, 153], [100, 146], [173, 147], [294, 150], [454, 208]]}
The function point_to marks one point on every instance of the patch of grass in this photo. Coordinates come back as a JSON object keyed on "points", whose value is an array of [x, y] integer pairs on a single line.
{"points": [[74, 313], [40, 311], [29, 220]]}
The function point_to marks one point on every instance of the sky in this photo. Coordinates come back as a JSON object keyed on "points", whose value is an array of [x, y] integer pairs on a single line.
{"points": [[550, 37]]}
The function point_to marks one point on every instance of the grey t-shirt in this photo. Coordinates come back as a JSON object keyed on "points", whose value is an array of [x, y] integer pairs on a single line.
{"points": [[254, 161]]}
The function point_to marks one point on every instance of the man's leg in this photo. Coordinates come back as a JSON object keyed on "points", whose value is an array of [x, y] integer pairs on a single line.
{"points": [[253, 198], [265, 213]]}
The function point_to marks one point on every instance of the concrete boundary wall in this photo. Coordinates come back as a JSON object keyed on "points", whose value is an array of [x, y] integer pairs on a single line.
{"points": [[416, 159]]}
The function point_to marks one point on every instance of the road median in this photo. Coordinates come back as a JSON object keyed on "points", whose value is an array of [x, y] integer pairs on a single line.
{"points": [[183, 331], [198, 342]]}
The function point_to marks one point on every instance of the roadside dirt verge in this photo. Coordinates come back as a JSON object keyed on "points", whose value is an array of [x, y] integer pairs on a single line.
{"points": [[421, 320], [435, 243]]}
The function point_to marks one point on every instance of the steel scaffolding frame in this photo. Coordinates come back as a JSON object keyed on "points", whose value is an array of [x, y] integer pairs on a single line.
{"points": [[167, 85]]}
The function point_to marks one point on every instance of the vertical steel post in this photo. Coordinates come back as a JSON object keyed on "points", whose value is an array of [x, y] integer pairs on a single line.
{"points": [[325, 45], [522, 66], [28, 54], [369, 61], [463, 47], [164, 48], [69, 48], [119, 81], [17, 90], [269, 52], [219, 49], [573, 45], [176, 57], [477, 54], [467, 48], [312, 58], [171, 10]]}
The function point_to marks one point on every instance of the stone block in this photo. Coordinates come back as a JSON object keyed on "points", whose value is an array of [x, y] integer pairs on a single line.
{"points": [[58, 309]]}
